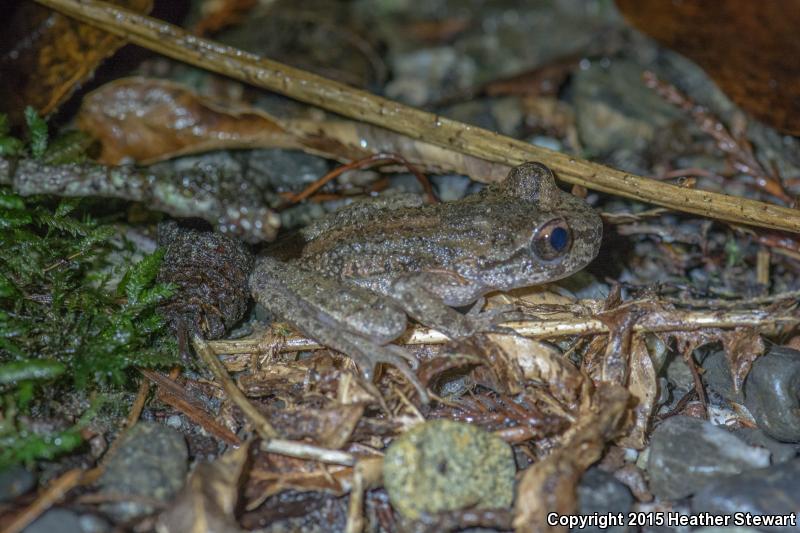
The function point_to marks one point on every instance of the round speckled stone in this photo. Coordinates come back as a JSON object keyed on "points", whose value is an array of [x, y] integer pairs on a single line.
{"points": [[443, 465]]}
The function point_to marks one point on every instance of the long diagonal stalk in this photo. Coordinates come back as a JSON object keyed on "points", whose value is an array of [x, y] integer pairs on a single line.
{"points": [[174, 42]]}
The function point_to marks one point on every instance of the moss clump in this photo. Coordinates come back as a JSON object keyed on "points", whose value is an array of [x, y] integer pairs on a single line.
{"points": [[61, 324]]}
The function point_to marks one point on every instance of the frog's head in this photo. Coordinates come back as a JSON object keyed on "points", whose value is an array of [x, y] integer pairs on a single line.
{"points": [[550, 233]]}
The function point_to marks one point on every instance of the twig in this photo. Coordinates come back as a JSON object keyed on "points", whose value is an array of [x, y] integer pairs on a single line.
{"points": [[171, 41], [301, 450], [361, 163], [175, 396], [138, 404], [680, 320], [261, 424]]}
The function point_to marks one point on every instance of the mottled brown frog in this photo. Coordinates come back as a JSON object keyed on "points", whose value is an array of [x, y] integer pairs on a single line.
{"points": [[349, 280]]}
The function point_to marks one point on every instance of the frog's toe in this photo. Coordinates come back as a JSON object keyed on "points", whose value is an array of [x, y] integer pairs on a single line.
{"points": [[489, 321], [397, 357], [405, 355]]}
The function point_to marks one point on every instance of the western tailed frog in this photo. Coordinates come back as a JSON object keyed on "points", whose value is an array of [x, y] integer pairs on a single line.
{"points": [[349, 280]]}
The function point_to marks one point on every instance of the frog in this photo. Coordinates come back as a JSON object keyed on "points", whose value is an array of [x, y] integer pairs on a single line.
{"points": [[351, 280]]}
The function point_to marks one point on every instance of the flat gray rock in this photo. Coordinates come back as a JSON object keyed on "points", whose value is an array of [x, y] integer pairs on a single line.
{"points": [[686, 453], [56, 520], [766, 491], [600, 492]]}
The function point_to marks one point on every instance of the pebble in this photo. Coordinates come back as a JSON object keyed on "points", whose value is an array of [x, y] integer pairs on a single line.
{"points": [[770, 390], [151, 462], [442, 465], [600, 492], [686, 453], [771, 393], [717, 376], [60, 520], [780, 451], [765, 491], [174, 421], [15, 481]]}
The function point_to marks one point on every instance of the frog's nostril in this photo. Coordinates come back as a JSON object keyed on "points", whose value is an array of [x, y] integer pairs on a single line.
{"points": [[552, 239]]}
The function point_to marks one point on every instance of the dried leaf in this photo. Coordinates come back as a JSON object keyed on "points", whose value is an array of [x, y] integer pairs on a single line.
{"points": [[150, 120], [330, 427], [207, 502], [620, 322], [500, 359], [45, 56], [742, 347], [544, 365], [321, 373], [643, 387], [549, 485], [760, 73], [273, 473]]}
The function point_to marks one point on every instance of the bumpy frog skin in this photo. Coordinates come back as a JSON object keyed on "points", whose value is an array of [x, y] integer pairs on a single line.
{"points": [[349, 280]]}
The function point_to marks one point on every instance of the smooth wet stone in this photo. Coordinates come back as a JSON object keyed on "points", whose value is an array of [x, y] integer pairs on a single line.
{"points": [[780, 451], [771, 390], [765, 491], [717, 376], [151, 462], [772, 393], [686, 453], [15, 481], [56, 520], [443, 465], [600, 492]]}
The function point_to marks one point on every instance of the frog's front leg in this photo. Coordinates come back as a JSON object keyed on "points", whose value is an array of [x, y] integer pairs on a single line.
{"points": [[425, 297], [349, 319]]}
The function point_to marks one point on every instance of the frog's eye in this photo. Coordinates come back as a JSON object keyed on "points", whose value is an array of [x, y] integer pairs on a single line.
{"points": [[552, 239]]}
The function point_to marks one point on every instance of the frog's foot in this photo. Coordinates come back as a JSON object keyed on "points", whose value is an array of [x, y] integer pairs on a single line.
{"points": [[397, 357], [490, 320]]}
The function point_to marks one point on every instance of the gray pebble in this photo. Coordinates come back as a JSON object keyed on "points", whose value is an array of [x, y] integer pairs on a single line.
{"points": [[174, 421], [600, 492], [717, 376], [56, 520], [765, 491], [686, 453], [771, 390], [151, 462], [14, 481], [780, 451], [94, 524], [771, 393]]}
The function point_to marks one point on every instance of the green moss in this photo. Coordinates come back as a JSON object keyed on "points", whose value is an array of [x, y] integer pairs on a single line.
{"points": [[62, 325]]}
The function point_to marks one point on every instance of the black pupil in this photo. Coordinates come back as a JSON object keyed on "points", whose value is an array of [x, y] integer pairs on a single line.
{"points": [[559, 239]]}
